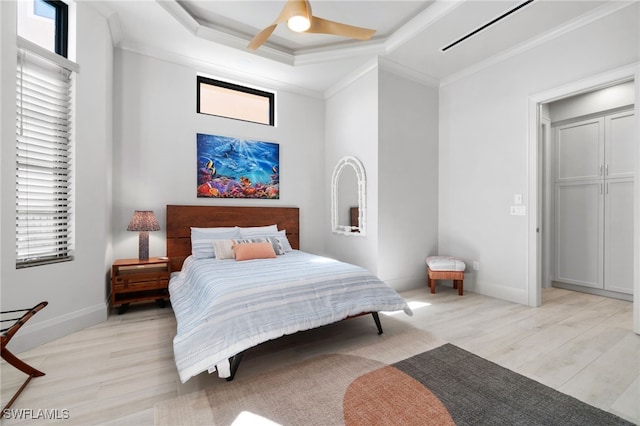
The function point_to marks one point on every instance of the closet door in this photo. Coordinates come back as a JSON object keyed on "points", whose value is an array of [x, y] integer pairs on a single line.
{"points": [[620, 148], [578, 206], [618, 253], [580, 150], [579, 234], [620, 154]]}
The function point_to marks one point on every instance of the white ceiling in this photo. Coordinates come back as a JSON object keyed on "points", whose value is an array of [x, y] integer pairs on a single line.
{"points": [[410, 34]]}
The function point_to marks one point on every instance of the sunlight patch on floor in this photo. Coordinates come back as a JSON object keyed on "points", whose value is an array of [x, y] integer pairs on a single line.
{"points": [[413, 304], [247, 418]]}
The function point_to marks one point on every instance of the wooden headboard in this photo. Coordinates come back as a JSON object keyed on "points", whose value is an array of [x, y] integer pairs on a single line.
{"points": [[180, 219]]}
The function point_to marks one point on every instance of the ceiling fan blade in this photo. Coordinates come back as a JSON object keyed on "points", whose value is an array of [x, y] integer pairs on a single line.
{"points": [[261, 37], [323, 26], [291, 8]]}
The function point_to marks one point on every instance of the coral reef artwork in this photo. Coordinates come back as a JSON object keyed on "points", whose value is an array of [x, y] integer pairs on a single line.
{"points": [[237, 168]]}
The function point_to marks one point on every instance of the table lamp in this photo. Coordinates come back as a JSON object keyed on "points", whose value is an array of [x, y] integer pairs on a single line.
{"points": [[143, 221]]}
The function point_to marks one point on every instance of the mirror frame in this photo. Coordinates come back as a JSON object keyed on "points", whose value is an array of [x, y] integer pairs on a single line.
{"points": [[336, 228]]}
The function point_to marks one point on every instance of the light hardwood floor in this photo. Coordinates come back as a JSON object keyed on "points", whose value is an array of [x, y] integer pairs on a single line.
{"points": [[115, 372]]}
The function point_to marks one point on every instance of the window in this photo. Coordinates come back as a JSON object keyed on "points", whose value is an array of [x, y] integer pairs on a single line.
{"points": [[230, 100], [43, 152], [45, 23]]}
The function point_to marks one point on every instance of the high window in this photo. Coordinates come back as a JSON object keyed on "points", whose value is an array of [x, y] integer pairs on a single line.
{"points": [[43, 135], [45, 23], [230, 100]]}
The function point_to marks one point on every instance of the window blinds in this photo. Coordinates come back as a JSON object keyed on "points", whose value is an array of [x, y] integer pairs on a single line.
{"points": [[43, 161]]}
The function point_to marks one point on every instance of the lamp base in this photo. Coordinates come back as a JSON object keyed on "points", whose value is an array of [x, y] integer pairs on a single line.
{"points": [[143, 245]]}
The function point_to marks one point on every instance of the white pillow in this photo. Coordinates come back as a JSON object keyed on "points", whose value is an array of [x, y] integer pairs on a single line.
{"points": [[223, 249], [201, 245], [257, 231]]}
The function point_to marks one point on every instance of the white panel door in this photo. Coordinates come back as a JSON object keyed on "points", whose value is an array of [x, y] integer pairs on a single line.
{"points": [[618, 235], [580, 150], [579, 233], [620, 147]]}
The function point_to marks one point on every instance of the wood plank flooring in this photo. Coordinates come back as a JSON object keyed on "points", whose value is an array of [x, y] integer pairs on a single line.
{"points": [[114, 373]]}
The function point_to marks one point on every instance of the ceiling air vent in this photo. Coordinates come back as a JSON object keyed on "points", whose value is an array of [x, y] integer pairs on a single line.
{"points": [[487, 25]]}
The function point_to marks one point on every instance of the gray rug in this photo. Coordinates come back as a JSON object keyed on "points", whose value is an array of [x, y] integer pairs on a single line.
{"points": [[478, 392]]}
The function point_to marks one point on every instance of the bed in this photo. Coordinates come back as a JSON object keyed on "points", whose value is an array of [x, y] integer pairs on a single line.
{"points": [[225, 305]]}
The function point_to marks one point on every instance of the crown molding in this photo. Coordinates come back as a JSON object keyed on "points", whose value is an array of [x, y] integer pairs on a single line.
{"points": [[180, 14], [386, 65], [115, 28], [408, 73], [113, 21], [596, 14], [323, 55], [351, 78], [438, 10], [240, 43]]}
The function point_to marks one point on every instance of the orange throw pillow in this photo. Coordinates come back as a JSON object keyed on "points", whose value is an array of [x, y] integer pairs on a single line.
{"points": [[248, 251]]}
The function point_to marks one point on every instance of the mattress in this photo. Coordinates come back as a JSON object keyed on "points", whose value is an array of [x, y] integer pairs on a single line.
{"points": [[224, 307]]}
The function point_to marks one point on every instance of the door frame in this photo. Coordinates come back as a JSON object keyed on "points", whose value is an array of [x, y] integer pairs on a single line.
{"points": [[609, 78]]}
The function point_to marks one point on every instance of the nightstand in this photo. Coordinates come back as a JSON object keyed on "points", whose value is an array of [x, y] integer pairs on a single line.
{"points": [[134, 280]]}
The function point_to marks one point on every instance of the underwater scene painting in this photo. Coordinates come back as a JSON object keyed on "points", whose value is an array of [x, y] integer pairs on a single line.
{"points": [[237, 168]]}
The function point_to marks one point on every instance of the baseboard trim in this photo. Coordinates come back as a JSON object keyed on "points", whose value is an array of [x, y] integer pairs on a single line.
{"points": [[516, 295], [33, 335], [595, 291]]}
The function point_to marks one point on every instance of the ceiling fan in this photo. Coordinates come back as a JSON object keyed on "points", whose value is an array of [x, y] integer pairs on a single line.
{"points": [[297, 14]]}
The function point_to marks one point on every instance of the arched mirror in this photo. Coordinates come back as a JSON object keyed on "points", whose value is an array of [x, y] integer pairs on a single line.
{"points": [[348, 197]]}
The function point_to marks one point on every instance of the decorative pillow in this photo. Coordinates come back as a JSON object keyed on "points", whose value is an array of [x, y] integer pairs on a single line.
{"points": [[201, 246], [281, 236], [277, 245], [257, 231], [223, 249], [248, 251], [285, 241]]}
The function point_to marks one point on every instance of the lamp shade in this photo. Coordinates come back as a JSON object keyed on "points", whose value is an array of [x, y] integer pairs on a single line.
{"points": [[143, 220]]}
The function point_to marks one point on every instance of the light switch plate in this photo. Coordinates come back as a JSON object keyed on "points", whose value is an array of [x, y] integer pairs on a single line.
{"points": [[518, 210], [517, 199]]}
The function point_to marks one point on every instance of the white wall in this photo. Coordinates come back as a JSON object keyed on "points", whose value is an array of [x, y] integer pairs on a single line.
{"points": [[75, 290], [407, 179], [352, 129], [390, 123], [483, 155], [155, 149]]}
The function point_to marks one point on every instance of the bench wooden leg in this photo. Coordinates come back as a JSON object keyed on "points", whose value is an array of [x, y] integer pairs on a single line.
{"points": [[458, 284]]}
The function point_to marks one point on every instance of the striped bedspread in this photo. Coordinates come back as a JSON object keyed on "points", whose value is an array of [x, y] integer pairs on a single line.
{"points": [[223, 307]]}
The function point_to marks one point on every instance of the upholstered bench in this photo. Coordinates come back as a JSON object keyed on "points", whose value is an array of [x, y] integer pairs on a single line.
{"points": [[445, 268]]}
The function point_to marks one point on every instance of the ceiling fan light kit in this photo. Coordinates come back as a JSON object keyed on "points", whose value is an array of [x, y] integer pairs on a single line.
{"points": [[297, 14], [298, 23]]}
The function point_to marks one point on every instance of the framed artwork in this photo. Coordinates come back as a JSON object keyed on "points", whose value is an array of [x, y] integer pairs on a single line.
{"points": [[237, 168]]}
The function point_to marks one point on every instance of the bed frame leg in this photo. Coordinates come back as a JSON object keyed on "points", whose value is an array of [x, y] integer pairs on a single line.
{"points": [[376, 318], [234, 362]]}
